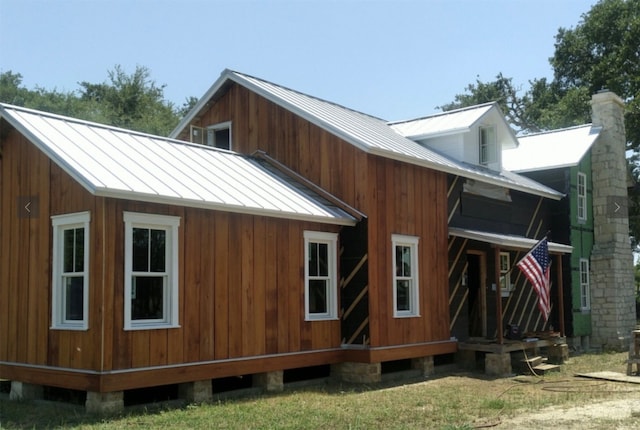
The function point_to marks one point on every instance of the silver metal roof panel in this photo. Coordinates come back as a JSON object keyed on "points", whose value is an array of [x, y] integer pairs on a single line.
{"points": [[370, 134], [120, 163], [550, 150]]}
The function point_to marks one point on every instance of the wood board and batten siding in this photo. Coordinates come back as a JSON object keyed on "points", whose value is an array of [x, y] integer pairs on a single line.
{"points": [[241, 289], [397, 198]]}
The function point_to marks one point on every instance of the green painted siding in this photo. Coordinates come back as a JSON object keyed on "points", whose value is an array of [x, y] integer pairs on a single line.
{"points": [[582, 241]]}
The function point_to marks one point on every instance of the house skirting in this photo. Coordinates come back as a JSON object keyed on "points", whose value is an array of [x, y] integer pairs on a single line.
{"points": [[118, 380]]}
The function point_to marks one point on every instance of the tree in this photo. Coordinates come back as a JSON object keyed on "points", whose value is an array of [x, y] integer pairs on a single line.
{"points": [[131, 101]]}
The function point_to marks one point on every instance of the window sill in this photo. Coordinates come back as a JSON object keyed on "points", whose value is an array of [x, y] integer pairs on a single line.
{"points": [[320, 318], [406, 315], [150, 326], [82, 327]]}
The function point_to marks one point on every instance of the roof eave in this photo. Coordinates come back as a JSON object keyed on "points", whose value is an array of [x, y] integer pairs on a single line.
{"points": [[201, 204]]}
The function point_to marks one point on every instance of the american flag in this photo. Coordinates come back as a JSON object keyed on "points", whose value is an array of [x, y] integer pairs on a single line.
{"points": [[535, 266]]}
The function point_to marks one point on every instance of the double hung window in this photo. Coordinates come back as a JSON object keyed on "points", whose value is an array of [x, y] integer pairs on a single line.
{"points": [[151, 271], [320, 275], [405, 276], [70, 270]]}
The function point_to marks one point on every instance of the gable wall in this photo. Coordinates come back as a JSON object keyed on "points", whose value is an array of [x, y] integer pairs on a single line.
{"points": [[397, 198]]}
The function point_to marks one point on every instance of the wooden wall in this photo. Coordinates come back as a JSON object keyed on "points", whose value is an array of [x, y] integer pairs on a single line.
{"points": [[397, 197], [241, 280]]}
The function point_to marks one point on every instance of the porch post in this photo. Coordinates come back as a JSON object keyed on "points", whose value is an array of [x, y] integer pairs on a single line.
{"points": [[560, 294], [496, 268]]}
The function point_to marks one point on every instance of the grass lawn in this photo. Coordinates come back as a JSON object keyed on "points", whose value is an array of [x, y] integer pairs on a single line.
{"points": [[452, 400]]}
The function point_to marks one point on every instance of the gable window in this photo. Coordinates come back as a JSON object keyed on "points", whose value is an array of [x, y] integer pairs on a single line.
{"points": [[405, 276], [582, 196], [70, 271], [320, 275], [219, 135], [585, 297], [151, 271], [488, 146]]}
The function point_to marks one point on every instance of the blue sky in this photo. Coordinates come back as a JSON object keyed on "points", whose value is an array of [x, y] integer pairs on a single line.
{"points": [[392, 59]]}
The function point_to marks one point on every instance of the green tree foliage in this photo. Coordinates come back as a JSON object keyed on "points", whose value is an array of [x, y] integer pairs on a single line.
{"points": [[133, 101]]}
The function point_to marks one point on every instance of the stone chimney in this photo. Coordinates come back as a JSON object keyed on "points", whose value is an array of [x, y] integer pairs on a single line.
{"points": [[613, 314]]}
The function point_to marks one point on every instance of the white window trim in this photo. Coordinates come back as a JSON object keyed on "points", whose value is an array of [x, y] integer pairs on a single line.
{"points": [[221, 126], [492, 147], [331, 239], [60, 223], [581, 200], [412, 242], [507, 287], [585, 293], [163, 222]]}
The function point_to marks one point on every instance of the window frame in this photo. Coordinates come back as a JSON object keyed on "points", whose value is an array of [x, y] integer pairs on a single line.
{"points": [[585, 282], [581, 197], [331, 240], [211, 132], [412, 243], [61, 223], [505, 270], [170, 225], [488, 149]]}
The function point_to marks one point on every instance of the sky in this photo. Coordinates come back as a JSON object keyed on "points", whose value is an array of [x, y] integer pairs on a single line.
{"points": [[392, 59]]}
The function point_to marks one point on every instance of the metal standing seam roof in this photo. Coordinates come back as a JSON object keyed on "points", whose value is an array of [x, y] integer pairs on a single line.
{"points": [[552, 149], [113, 162], [370, 134], [508, 241], [449, 122]]}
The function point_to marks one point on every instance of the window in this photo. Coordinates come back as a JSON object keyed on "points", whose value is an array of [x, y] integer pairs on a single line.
{"points": [[582, 196], [405, 276], [585, 297], [488, 146], [505, 269], [219, 135], [320, 274], [70, 271], [151, 271]]}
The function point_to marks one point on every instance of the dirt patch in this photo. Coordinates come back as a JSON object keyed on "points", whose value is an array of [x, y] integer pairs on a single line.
{"points": [[619, 414]]}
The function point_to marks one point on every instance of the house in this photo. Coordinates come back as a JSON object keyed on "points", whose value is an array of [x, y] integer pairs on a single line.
{"points": [[272, 231], [587, 163]]}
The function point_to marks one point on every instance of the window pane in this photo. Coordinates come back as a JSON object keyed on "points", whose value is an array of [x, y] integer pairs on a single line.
{"points": [[68, 242], [318, 293], [223, 138], [140, 250], [403, 295], [323, 259], [313, 259], [73, 298], [158, 254], [147, 296], [403, 261], [79, 250]]}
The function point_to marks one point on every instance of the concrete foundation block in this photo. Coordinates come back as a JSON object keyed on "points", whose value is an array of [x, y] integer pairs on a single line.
{"points": [[558, 354], [424, 365], [498, 364], [196, 392], [24, 391], [104, 403], [271, 382], [359, 373]]}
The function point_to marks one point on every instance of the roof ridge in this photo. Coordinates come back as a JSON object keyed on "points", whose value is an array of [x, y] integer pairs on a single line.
{"points": [[110, 127], [448, 112], [558, 130], [246, 75]]}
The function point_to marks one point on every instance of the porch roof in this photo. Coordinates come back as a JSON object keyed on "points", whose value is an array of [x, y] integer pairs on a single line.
{"points": [[507, 241]]}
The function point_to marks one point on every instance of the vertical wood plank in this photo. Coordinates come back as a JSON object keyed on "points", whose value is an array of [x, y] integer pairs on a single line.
{"points": [[259, 284], [235, 286], [221, 291], [271, 288]]}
